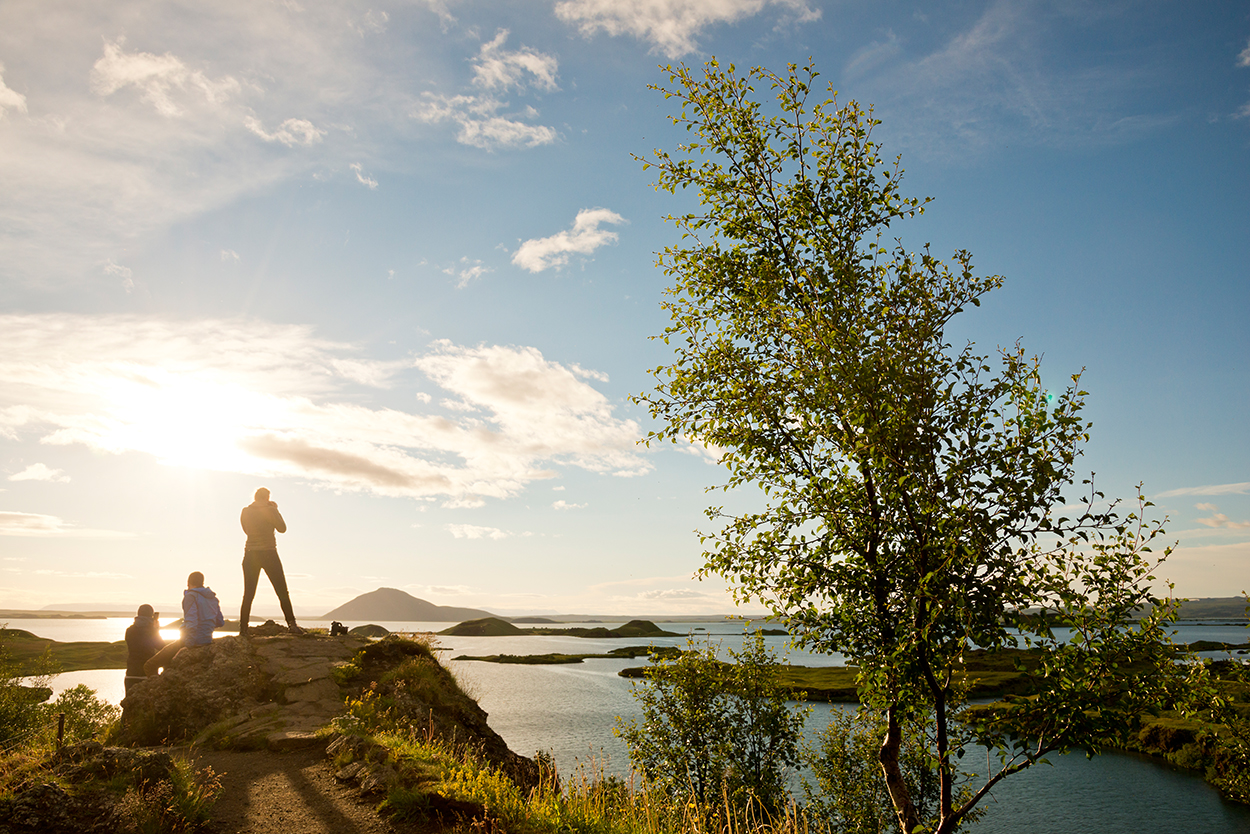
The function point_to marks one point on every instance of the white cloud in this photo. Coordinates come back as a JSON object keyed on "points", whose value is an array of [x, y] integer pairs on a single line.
{"points": [[1243, 58], [372, 21], [479, 128], [269, 400], [1242, 488], [229, 255], [497, 68], [467, 271], [675, 594], [565, 505], [671, 26], [370, 182], [148, 137], [158, 78], [10, 99], [472, 531], [584, 238], [292, 132], [1219, 520], [35, 524], [482, 125], [40, 472], [123, 272], [710, 452]]}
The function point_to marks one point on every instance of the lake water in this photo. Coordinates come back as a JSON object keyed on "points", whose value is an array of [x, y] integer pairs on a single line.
{"points": [[570, 710]]}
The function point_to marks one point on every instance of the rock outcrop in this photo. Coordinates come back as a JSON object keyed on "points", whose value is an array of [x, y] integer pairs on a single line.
{"points": [[272, 691], [258, 692]]}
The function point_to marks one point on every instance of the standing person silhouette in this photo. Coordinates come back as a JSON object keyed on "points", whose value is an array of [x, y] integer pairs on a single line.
{"points": [[260, 520]]}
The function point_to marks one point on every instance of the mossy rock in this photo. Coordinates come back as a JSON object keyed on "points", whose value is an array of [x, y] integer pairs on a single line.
{"points": [[484, 627], [639, 628], [370, 630]]}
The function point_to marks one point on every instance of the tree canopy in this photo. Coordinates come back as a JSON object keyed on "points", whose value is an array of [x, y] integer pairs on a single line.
{"points": [[913, 488]]}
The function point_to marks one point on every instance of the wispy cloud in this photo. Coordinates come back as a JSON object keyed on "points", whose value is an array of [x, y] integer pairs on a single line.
{"points": [[109, 140], [10, 99], [123, 272], [709, 452], [160, 79], [466, 271], [565, 505], [585, 237], [1002, 79], [368, 182], [472, 531], [495, 68], [672, 26], [35, 524], [40, 472], [1243, 58], [1218, 519], [483, 118], [273, 400], [291, 132], [1242, 488]]}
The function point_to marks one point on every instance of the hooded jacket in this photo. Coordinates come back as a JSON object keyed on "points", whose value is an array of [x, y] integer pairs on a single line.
{"points": [[143, 639], [201, 613]]}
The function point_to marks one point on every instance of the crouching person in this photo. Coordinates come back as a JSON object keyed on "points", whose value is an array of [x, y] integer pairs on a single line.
{"points": [[201, 613], [143, 640]]}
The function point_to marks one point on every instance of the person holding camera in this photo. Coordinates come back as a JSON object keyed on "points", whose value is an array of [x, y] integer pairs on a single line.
{"points": [[143, 641], [261, 520]]}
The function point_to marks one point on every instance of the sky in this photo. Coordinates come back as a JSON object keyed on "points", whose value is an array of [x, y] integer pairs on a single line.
{"points": [[396, 262]]}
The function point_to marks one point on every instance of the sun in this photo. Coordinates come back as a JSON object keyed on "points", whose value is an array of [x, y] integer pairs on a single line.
{"points": [[187, 419]]}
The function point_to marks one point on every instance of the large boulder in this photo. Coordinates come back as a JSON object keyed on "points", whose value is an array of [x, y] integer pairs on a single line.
{"points": [[241, 692]]}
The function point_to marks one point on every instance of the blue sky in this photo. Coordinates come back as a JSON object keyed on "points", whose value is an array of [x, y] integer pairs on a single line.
{"points": [[395, 261]]}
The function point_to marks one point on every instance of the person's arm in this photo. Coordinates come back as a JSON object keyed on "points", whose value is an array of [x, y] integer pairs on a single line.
{"points": [[278, 523], [190, 614]]}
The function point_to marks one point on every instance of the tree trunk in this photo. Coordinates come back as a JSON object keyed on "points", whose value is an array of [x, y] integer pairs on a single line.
{"points": [[905, 810]]}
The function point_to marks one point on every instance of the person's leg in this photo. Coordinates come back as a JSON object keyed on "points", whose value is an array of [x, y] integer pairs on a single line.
{"points": [[162, 658], [273, 569], [251, 576]]}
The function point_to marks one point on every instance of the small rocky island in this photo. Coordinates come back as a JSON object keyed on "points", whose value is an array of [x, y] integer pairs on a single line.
{"points": [[495, 627]]}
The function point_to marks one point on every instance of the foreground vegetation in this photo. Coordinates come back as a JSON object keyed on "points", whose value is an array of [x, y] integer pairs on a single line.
{"points": [[56, 775]]}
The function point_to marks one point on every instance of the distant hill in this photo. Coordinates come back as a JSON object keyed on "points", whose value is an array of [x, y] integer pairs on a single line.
{"points": [[391, 605]]}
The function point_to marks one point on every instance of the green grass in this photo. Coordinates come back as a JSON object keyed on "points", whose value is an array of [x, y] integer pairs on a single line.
{"points": [[988, 675], [25, 649]]}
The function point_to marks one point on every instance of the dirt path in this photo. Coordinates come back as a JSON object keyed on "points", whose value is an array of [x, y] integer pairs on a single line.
{"points": [[288, 793]]}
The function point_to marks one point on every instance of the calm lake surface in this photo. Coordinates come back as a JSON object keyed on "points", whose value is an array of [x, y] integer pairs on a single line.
{"points": [[570, 710]]}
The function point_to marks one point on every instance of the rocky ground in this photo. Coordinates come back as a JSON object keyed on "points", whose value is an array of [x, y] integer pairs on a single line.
{"points": [[289, 793], [255, 711]]}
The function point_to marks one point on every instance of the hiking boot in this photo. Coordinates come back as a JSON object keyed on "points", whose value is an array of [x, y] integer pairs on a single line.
{"points": [[294, 629]]}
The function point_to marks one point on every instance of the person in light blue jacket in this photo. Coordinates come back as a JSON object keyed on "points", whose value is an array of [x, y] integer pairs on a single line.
{"points": [[201, 613]]}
